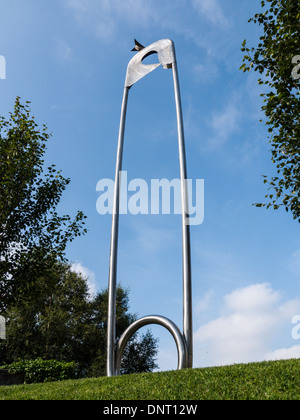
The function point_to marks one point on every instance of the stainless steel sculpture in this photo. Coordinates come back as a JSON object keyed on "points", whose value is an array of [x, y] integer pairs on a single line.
{"points": [[137, 70]]}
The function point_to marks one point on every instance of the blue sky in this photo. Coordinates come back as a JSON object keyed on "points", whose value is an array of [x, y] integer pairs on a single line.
{"points": [[69, 58]]}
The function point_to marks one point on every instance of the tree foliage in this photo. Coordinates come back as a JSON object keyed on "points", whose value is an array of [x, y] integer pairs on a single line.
{"points": [[276, 58], [60, 320], [32, 234], [47, 306]]}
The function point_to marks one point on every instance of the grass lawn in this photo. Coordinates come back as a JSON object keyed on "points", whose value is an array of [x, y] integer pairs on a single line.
{"points": [[259, 381]]}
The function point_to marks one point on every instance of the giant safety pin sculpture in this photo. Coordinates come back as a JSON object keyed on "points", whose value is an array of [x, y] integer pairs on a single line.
{"points": [[184, 341]]}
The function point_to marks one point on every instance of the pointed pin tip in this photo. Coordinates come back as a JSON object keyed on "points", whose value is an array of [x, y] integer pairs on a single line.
{"points": [[138, 46]]}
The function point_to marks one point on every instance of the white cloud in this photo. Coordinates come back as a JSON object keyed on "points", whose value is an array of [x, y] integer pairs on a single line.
{"points": [[250, 320], [284, 353], [257, 298], [78, 268]]}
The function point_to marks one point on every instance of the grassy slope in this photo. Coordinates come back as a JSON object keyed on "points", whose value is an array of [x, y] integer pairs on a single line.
{"points": [[266, 380]]}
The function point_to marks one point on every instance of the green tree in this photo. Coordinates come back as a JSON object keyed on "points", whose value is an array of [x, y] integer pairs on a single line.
{"points": [[32, 234], [59, 320], [276, 58], [52, 321], [140, 351], [139, 355]]}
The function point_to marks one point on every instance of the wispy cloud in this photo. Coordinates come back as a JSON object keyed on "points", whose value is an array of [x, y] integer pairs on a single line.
{"points": [[223, 124], [294, 264], [63, 51], [212, 10], [213, 129], [204, 303], [105, 17], [152, 240], [206, 71]]}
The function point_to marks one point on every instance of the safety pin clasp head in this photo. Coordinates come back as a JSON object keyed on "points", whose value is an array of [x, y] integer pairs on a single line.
{"points": [[136, 69]]}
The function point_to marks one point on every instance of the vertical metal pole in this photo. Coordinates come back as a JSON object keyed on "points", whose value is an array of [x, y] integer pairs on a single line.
{"points": [[187, 277], [112, 288]]}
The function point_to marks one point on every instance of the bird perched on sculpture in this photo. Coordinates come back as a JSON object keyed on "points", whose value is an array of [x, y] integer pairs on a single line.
{"points": [[138, 46]]}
